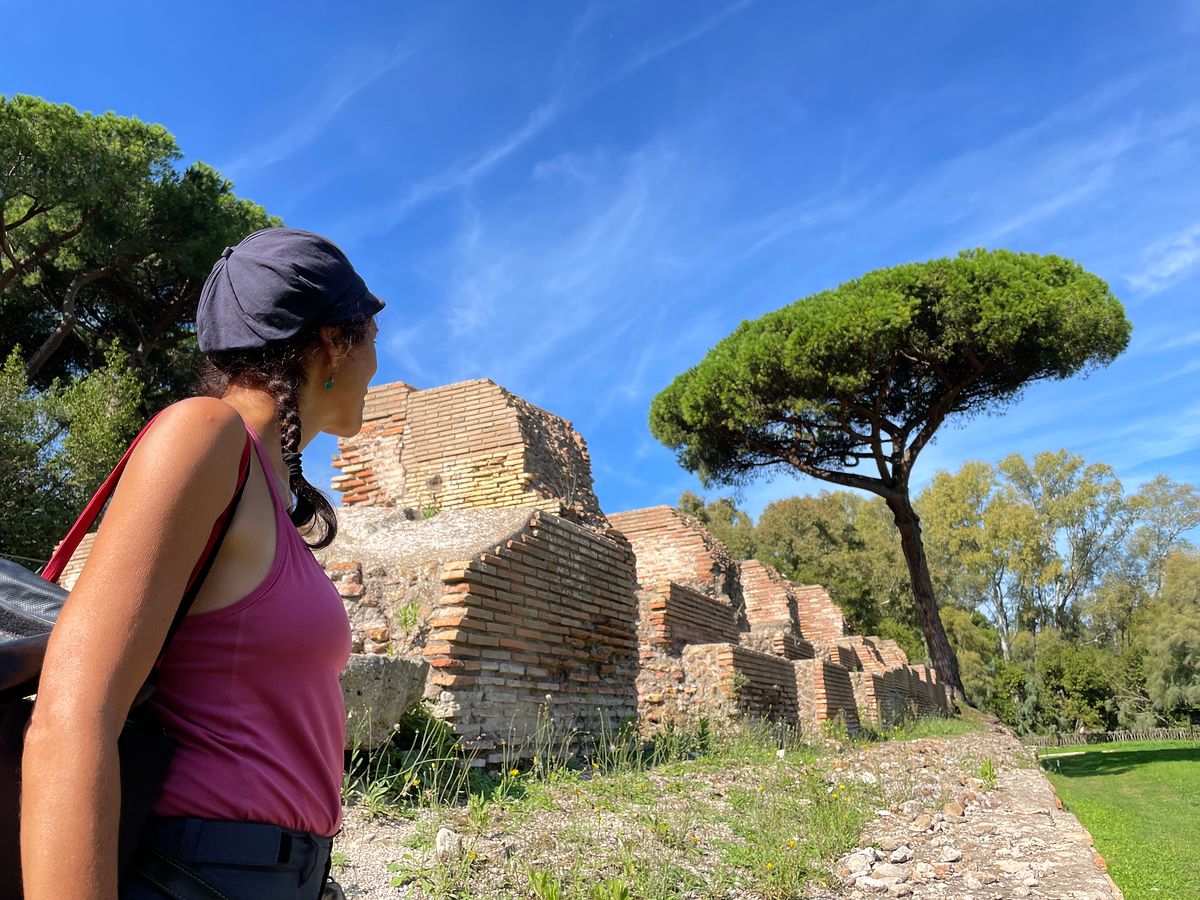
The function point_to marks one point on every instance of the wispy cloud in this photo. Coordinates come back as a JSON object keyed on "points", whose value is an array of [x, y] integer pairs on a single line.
{"points": [[597, 256], [465, 173], [650, 54], [1168, 261], [316, 118], [478, 164], [1089, 151]]}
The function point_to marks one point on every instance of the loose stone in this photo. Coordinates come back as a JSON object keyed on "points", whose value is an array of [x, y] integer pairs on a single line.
{"points": [[888, 870]]}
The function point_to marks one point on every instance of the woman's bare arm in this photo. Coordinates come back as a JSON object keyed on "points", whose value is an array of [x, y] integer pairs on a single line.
{"points": [[178, 481]]}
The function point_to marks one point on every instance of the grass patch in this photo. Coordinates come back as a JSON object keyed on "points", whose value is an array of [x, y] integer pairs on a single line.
{"points": [[911, 729], [1141, 802]]}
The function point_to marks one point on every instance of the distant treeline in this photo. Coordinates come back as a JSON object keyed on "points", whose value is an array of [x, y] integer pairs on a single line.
{"points": [[1070, 602]]}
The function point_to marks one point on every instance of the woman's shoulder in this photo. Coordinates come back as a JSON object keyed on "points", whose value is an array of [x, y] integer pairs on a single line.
{"points": [[201, 434], [206, 413]]}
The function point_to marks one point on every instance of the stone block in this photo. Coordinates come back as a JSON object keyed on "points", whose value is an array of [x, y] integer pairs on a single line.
{"points": [[378, 691]]}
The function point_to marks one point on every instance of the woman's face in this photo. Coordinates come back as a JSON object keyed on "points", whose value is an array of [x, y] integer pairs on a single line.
{"points": [[342, 404]]}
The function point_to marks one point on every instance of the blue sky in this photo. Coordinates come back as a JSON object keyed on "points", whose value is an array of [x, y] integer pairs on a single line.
{"points": [[577, 200]]}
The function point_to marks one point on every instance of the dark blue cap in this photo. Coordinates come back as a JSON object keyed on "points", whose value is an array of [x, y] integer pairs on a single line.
{"points": [[276, 284]]}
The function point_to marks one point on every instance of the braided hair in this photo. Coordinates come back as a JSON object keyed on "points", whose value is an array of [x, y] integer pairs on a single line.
{"points": [[280, 369]]}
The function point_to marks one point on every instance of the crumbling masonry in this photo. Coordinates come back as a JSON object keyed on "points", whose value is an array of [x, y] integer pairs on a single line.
{"points": [[473, 540], [479, 572]]}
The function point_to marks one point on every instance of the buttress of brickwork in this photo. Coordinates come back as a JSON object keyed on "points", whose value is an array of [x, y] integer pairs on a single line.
{"points": [[471, 445], [719, 637]]}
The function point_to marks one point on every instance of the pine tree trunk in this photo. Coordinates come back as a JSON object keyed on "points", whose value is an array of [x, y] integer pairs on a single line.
{"points": [[945, 663]]}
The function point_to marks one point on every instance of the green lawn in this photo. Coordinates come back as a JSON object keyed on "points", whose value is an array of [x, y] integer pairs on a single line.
{"points": [[1141, 802]]}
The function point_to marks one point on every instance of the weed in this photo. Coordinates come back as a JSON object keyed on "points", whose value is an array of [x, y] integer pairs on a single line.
{"points": [[546, 885], [479, 812], [419, 764], [909, 728], [835, 729], [447, 879], [609, 889], [987, 774], [430, 511], [407, 616]]}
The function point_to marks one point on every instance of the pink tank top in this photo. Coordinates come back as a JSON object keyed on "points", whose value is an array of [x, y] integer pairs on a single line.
{"points": [[251, 693]]}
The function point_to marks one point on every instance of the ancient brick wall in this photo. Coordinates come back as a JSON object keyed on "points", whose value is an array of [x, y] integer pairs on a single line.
{"points": [[720, 681], [370, 462], [769, 598], [557, 462], [782, 642], [825, 691], [73, 567], [552, 612], [763, 685], [845, 656], [466, 445], [869, 696], [671, 546], [820, 618], [672, 615]]}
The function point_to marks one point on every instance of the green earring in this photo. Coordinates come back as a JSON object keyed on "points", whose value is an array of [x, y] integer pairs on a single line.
{"points": [[329, 384]]}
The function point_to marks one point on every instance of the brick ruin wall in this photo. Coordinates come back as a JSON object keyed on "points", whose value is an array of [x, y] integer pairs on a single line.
{"points": [[826, 691], [545, 622], [720, 638], [466, 445], [672, 546]]}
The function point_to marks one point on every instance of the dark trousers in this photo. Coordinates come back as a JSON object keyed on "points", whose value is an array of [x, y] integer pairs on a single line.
{"points": [[241, 860]]}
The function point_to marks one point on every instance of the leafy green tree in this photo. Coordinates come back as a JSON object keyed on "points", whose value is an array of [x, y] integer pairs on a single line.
{"points": [[104, 243], [976, 644], [849, 385], [1082, 518], [56, 446], [986, 544], [1162, 511], [730, 525], [1168, 632]]}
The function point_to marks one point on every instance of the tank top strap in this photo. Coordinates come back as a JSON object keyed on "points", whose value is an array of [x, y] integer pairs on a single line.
{"points": [[268, 473]]}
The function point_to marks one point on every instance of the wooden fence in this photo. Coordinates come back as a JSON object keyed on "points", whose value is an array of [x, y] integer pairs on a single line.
{"points": [[1071, 739]]}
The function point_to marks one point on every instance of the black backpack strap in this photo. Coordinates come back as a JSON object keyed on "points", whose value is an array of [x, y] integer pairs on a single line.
{"points": [[173, 878]]}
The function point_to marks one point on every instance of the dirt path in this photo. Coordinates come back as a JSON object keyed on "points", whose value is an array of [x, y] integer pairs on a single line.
{"points": [[959, 839]]}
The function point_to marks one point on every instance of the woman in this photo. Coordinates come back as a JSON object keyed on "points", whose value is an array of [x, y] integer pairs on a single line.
{"points": [[249, 684]]}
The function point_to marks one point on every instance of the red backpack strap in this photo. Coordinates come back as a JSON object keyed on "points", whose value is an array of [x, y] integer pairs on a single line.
{"points": [[65, 550]]}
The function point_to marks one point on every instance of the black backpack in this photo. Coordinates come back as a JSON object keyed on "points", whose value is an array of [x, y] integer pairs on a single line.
{"points": [[29, 606]]}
